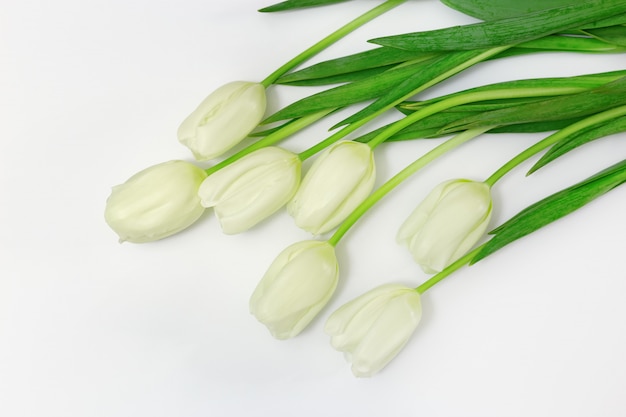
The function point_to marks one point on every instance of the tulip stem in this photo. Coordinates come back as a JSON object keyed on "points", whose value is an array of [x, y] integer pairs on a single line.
{"points": [[554, 138], [306, 154], [438, 277], [330, 39], [400, 177], [285, 131]]}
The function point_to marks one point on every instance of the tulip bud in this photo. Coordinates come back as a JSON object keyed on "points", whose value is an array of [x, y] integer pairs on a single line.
{"points": [[295, 288], [373, 328], [251, 188], [155, 203], [338, 181], [446, 225], [223, 119]]}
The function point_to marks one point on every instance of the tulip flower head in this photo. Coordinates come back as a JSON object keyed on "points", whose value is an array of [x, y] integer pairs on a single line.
{"points": [[338, 181], [155, 203], [223, 119], [445, 226], [373, 328], [251, 188], [297, 285]]}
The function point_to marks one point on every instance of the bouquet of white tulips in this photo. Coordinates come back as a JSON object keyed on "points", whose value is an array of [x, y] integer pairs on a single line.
{"points": [[452, 226]]}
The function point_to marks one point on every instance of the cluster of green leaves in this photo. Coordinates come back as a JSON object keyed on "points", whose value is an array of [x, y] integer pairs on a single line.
{"points": [[528, 106], [403, 67]]}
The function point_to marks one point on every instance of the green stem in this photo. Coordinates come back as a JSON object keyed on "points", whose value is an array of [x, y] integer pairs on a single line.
{"points": [[330, 39], [285, 131], [306, 154], [554, 138], [400, 177], [438, 277]]}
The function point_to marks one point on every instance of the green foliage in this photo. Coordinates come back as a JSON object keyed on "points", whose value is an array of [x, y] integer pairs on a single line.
{"points": [[509, 30], [345, 95], [572, 142], [553, 208], [591, 101], [502, 9], [380, 57]]}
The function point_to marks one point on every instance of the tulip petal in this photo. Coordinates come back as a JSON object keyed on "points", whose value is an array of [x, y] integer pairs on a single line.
{"points": [[252, 188], [155, 203], [223, 119], [387, 335], [295, 288], [337, 182]]}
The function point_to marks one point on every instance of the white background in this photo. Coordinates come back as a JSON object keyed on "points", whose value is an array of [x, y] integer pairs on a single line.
{"points": [[93, 91]]}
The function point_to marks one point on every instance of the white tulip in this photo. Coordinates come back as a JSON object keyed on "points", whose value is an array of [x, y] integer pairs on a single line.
{"points": [[447, 224], [157, 202], [297, 285], [373, 328], [252, 188], [223, 119], [338, 181]]}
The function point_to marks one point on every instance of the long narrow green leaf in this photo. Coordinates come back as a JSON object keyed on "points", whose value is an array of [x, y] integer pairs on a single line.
{"points": [[553, 208], [592, 133], [372, 62], [471, 109], [507, 31], [431, 127], [569, 85], [297, 4], [501, 9], [372, 58], [348, 77], [345, 95], [536, 127], [425, 128], [440, 68], [607, 96], [577, 83], [619, 19]]}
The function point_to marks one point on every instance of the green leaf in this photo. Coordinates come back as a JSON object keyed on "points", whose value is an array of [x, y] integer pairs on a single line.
{"points": [[439, 68], [553, 208], [577, 83], [375, 61], [592, 133], [348, 77], [509, 30], [425, 128], [373, 58], [536, 127], [345, 95], [606, 96], [620, 19], [297, 4], [501, 9]]}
